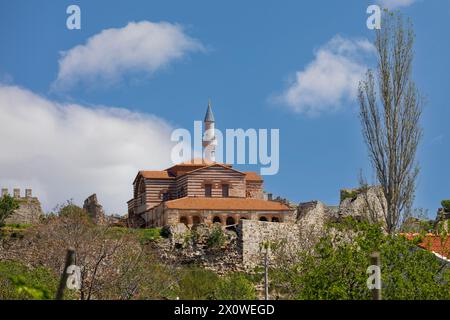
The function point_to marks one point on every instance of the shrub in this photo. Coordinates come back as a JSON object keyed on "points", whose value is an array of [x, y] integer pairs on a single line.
{"points": [[349, 194], [216, 238], [337, 270], [7, 206], [235, 287], [446, 205], [147, 235]]}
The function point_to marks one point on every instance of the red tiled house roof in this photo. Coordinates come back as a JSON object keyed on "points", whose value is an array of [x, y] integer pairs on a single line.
{"points": [[433, 243], [193, 203]]}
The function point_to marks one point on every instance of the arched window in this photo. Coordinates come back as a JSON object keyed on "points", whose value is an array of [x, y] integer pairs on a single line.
{"points": [[184, 220], [217, 219], [196, 220], [262, 218], [275, 219], [230, 221]]}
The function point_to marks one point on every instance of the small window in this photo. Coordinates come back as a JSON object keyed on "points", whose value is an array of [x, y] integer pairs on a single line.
{"points": [[165, 196], [208, 190], [225, 190], [181, 193]]}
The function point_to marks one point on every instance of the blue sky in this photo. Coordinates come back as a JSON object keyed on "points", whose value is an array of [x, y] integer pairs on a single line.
{"points": [[242, 55]]}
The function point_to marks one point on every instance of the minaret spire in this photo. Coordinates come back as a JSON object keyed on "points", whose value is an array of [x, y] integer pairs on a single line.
{"points": [[209, 117], [209, 136]]}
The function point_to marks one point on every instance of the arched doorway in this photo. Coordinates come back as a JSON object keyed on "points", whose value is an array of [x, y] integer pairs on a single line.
{"points": [[275, 219], [216, 219], [196, 220], [184, 220], [263, 218]]}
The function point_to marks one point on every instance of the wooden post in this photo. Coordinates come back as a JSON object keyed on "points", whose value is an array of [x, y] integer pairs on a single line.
{"points": [[70, 260], [375, 261]]}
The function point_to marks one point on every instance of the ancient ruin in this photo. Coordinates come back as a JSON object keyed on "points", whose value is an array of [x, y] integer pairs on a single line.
{"points": [[29, 211], [94, 210]]}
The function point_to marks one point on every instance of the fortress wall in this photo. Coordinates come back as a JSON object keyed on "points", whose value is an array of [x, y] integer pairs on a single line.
{"points": [[253, 234]]}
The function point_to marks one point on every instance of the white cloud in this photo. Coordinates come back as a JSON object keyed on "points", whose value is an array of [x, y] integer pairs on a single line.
{"points": [[72, 151], [331, 79], [393, 4], [139, 47]]}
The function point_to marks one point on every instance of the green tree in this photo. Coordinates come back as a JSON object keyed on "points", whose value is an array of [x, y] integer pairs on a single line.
{"points": [[7, 207], [337, 267], [446, 205], [390, 112]]}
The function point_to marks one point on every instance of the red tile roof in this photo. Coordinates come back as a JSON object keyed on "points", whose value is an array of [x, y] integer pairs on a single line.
{"points": [[252, 176], [194, 164], [203, 203], [191, 166], [156, 175], [433, 243]]}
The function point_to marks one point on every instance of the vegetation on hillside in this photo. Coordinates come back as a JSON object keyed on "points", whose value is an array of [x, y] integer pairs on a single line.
{"points": [[120, 263], [336, 267]]}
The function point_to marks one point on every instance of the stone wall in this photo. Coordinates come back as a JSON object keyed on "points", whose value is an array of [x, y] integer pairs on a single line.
{"points": [[362, 204], [29, 211], [254, 234], [94, 210]]}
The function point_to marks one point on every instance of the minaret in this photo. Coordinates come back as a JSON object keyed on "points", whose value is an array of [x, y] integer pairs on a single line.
{"points": [[209, 136]]}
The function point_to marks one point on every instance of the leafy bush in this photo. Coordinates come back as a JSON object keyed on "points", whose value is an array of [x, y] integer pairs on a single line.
{"points": [[349, 194], [146, 235], [337, 269], [7, 206], [446, 205], [235, 287], [216, 238]]}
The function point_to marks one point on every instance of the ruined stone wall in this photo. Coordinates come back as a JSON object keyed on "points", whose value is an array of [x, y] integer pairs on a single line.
{"points": [[29, 211], [253, 234], [363, 204], [94, 210]]}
